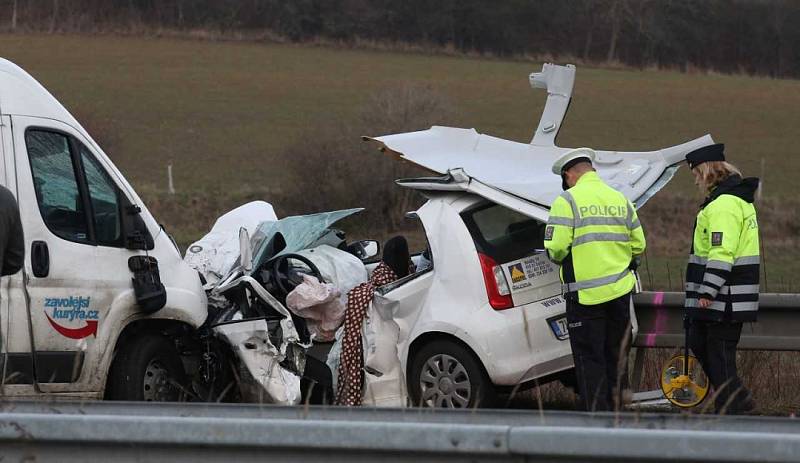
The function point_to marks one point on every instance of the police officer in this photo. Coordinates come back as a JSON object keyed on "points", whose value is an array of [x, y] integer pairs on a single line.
{"points": [[722, 276], [594, 234]]}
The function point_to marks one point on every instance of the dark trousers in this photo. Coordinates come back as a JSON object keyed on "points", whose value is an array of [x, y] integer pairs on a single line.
{"points": [[714, 345], [600, 335]]}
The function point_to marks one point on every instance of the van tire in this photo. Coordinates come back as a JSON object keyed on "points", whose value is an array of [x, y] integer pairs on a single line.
{"points": [[464, 369], [147, 368]]}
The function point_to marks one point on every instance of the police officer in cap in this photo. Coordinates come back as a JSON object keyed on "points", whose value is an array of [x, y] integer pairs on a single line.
{"points": [[722, 276], [594, 234]]}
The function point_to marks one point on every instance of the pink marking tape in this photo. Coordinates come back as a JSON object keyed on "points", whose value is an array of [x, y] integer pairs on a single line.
{"points": [[661, 318]]}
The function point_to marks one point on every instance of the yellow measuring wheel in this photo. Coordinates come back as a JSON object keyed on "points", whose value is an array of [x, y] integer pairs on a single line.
{"points": [[683, 381]]}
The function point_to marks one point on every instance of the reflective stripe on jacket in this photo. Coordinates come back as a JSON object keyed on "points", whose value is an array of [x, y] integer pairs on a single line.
{"points": [[724, 262], [594, 233]]}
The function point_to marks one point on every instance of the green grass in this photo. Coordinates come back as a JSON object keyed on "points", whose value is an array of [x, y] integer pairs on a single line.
{"points": [[225, 114]]}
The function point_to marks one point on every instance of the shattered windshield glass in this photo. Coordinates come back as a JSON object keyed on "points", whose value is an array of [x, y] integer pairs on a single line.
{"points": [[299, 231], [656, 187]]}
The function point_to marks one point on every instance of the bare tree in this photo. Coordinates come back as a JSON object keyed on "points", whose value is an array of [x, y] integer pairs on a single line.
{"points": [[758, 36], [617, 12], [588, 9], [14, 15], [54, 17]]}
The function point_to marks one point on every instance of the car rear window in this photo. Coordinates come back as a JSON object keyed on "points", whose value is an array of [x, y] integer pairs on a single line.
{"points": [[502, 233]]}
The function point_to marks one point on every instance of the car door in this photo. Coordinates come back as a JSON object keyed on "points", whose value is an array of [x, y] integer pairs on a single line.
{"points": [[17, 358], [71, 213]]}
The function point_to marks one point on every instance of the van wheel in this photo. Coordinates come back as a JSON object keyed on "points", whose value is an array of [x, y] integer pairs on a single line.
{"points": [[147, 369], [444, 374]]}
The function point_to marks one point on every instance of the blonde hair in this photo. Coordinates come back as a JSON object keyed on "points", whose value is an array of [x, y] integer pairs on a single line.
{"points": [[712, 173]]}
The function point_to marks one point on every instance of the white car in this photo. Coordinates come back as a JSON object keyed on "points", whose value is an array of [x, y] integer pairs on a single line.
{"points": [[488, 314]]}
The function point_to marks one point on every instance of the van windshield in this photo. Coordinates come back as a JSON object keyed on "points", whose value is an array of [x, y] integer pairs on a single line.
{"points": [[502, 233]]}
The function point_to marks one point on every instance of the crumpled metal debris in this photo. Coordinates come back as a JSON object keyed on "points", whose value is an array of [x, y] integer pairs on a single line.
{"points": [[262, 378]]}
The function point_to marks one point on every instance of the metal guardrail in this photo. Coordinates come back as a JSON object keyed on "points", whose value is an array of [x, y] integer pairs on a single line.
{"points": [[660, 317], [102, 431]]}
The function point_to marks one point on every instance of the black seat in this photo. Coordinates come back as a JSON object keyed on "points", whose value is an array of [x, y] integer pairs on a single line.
{"points": [[396, 256]]}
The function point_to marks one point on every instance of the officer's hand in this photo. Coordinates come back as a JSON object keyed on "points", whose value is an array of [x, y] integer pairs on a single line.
{"points": [[705, 303]]}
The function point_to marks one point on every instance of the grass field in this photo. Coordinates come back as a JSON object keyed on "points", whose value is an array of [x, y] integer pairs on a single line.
{"points": [[229, 117], [226, 114]]}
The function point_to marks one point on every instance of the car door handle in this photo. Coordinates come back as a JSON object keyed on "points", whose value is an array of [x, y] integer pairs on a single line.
{"points": [[40, 259]]}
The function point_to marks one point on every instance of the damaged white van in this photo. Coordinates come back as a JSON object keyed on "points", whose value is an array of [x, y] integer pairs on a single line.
{"points": [[105, 306], [100, 277], [488, 315]]}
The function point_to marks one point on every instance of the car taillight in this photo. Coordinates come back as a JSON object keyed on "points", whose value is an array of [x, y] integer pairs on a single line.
{"points": [[496, 284]]}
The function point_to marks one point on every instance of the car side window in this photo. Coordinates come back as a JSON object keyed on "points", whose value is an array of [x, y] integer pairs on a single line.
{"points": [[56, 185], [104, 196], [418, 246]]}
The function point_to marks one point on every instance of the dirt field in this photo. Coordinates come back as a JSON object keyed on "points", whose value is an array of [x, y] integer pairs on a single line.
{"points": [[229, 117]]}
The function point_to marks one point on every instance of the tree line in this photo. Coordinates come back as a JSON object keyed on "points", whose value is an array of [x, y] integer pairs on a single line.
{"points": [[750, 36]]}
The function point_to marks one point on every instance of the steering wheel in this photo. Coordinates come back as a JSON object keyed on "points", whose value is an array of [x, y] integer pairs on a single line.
{"points": [[286, 277]]}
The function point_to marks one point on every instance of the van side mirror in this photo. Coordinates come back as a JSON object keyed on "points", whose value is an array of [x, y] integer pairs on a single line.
{"points": [[137, 236]]}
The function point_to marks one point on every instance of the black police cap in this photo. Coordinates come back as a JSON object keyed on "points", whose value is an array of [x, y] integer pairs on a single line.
{"points": [[705, 154]]}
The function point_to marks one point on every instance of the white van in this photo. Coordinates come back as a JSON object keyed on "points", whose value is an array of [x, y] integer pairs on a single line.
{"points": [[106, 307], [87, 235]]}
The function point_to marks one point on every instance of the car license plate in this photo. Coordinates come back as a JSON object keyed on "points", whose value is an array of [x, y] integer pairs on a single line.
{"points": [[559, 327]]}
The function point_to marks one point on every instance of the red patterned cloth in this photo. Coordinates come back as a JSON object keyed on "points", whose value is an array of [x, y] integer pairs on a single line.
{"points": [[351, 363]]}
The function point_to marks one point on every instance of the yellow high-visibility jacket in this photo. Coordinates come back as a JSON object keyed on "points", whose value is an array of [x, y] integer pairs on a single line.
{"points": [[724, 264], [594, 234]]}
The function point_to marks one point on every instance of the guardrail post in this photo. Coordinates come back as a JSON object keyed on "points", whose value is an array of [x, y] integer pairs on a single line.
{"points": [[638, 368]]}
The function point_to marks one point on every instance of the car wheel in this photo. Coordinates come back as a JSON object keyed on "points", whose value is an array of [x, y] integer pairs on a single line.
{"points": [[444, 374], [147, 369]]}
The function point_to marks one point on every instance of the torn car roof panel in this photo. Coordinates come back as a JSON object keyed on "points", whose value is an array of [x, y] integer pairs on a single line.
{"points": [[524, 170]]}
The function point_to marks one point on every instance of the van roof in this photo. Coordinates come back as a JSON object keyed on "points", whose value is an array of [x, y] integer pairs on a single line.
{"points": [[21, 94]]}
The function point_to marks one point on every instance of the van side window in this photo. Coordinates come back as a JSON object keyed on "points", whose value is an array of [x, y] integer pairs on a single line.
{"points": [[104, 197], [56, 185], [502, 233]]}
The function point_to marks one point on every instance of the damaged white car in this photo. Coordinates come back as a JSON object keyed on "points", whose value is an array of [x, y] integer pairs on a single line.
{"points": [[275, 288], [487, 315], [480, 311]]}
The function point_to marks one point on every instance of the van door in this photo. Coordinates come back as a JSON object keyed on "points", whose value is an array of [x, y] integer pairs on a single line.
{"points": [[17, 358], [71, 212]]}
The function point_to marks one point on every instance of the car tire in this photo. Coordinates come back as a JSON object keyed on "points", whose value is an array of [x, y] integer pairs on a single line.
{"points": [[147, 369], [445, 374]]}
